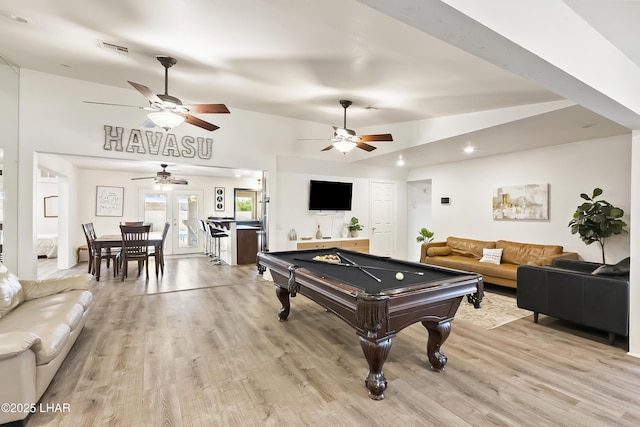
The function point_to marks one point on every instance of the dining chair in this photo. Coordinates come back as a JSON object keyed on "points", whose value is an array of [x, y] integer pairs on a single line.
{"points": [[90, 247], [135, 247], [158, 250], [96, 256]]}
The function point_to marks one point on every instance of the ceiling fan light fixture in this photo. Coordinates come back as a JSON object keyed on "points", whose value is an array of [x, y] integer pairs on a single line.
{"points": [[344, 145], [166, 119]]}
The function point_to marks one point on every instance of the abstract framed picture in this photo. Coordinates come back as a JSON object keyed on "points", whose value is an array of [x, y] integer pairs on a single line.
{"points": [[529, 202]]}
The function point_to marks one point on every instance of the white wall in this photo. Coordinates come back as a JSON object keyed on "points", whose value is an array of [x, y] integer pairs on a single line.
{"points": [[292, 198], [89, 179], [419, 209], [570, 169], [65, 125], [9, 101], [46, 188]]}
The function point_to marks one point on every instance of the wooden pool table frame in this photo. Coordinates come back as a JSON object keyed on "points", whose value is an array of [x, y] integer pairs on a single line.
{"points": [[377, 318]]}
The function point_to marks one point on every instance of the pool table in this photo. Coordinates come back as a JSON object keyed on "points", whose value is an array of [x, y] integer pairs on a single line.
{"points": [[368, 294]]}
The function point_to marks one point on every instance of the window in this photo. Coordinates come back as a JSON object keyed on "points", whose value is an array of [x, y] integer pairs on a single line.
{"points": [[246, 206]]}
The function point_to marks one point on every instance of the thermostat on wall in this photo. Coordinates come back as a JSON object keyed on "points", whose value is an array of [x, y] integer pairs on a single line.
{"points": [[445, 201]]}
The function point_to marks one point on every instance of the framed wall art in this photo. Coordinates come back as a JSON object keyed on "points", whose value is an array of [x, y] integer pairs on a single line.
{"points": [[219, 192], [528, 202], [109, 200], [51, 207]]}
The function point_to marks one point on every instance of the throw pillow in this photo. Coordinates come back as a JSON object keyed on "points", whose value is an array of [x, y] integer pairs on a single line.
{"points": [[492, 256], [439, 251], [619, 269]]}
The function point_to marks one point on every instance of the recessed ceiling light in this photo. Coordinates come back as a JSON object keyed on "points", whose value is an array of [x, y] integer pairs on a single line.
{"points": [[400, 161], [469, 149]]}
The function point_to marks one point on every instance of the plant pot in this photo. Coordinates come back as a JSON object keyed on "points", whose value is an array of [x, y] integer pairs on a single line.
{"points": [[353, 233]]}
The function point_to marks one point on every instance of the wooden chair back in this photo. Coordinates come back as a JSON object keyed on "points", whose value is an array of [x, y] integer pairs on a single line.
{"points": [[135, 246], [135, 241]]}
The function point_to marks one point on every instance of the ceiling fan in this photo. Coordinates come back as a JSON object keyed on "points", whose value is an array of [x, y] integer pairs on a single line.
{"points": [[164, 177], [168, 111], [345, 140]]}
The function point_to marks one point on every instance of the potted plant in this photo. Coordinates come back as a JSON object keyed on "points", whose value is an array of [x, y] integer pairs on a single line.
{"points": [[425, 236], [595, 220], [354, 227]]}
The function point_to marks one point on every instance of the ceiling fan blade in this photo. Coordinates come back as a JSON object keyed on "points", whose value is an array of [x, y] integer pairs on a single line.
{"points": [[144, 177], [146, 92], [365, 147], [116, 105], [177, 181], [379, 137], [327, 148], [208, 108], [193, 120]]}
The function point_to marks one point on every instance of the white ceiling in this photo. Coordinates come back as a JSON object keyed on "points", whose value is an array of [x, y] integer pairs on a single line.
{"points": [[297, 58]]}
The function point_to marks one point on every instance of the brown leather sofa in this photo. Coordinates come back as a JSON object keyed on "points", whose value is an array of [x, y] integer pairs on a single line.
{"points": [[465, 254]]}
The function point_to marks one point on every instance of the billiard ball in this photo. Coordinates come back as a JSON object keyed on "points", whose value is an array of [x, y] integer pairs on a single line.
{"points": [[399, 276]]}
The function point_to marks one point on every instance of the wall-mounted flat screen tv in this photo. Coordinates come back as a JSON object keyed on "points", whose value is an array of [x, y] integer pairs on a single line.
{"points": [[329, 196]]}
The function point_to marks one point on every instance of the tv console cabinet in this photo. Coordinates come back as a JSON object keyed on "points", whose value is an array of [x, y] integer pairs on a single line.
{"points": [[352, 243]]}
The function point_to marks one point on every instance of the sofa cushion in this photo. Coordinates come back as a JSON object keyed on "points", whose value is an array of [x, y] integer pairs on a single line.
{"points": [[522, 253], [51, 318], [15, 343], [503, 271], [11, 293], [40, 288], [492, 256], [439, 251], [468, 247]]}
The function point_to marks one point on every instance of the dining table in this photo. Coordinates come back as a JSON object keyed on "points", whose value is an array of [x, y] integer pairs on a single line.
{"points": [[111, 241]]}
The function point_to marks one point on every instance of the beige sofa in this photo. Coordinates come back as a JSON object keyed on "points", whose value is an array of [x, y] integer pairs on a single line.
{"points": [[465, 254], [39, 322]]}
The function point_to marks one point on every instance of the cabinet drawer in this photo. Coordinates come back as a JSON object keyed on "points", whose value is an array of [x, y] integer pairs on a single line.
{"points": [[361, 245], [316, 245]]}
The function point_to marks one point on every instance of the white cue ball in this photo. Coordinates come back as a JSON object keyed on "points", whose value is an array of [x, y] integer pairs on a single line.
{"points": [[399, 276]]}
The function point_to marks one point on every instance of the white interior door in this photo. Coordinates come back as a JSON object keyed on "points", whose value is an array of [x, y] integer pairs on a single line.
{"points": [[182, 209], [382, 221]]}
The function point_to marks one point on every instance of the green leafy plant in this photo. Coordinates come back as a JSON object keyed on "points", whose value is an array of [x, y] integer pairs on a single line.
{"points": [[354, 225], [595, 220], [425, 236]]}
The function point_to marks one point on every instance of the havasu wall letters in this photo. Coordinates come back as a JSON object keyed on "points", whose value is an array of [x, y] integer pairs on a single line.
{"points": [[157, 143]]}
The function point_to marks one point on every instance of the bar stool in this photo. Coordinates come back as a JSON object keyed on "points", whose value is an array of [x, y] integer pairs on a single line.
{"points": [[216, 235], [207, 238]]}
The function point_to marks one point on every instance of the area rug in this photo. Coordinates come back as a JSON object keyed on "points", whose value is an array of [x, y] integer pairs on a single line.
{"points": [[497, 310]]}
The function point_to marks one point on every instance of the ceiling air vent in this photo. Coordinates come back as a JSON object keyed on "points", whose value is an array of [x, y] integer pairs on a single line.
{"points": [[114, 47]]}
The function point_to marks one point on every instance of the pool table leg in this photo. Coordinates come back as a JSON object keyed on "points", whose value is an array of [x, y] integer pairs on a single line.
{"points": [[376, 354], [283, 297], [438, 334]]}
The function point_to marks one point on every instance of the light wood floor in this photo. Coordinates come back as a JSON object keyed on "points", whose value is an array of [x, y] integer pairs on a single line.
{"points": [[202, 346]]}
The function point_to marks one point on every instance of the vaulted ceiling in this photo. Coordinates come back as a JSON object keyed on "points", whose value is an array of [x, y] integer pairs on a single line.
{"points": [[297, 58]]}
